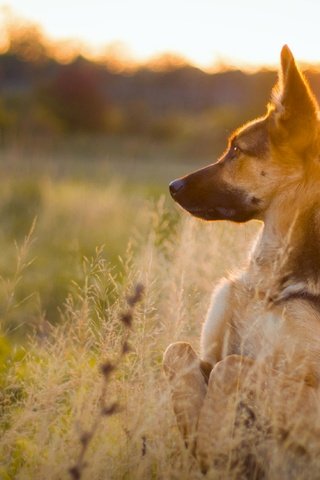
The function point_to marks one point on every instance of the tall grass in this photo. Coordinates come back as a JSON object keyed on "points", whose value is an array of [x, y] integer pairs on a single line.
{"points": [[76, 239], [51, 391], [82, 197]]}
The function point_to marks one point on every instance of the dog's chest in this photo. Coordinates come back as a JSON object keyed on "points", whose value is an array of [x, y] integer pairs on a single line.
{"points": [[259, 328]]}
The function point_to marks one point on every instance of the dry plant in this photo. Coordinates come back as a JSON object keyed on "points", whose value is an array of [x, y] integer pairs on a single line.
{"points": [[107, 369], [10, 283], [55, 420]]}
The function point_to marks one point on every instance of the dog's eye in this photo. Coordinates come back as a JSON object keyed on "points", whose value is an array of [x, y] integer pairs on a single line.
{"points": [[235, 151]]}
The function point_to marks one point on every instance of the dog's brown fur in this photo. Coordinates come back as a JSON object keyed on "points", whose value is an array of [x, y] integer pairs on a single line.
{"points": [[263, 327]]}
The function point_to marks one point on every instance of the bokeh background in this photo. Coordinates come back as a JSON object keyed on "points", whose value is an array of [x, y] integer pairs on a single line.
{"points": [[101, 105]]}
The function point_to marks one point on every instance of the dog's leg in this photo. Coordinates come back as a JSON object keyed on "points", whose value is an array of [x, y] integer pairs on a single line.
{"points": [[228, 381], [188, 375], [215, 330], [188, 387]]}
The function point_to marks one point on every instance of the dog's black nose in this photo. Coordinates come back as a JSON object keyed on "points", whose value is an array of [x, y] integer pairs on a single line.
{"points": [[175, 186]]}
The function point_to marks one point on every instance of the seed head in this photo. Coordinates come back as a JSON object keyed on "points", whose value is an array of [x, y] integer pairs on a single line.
{"points": [[126, 347], [85, 438], [126, 318], [106, 369], [137, 295], [75, 473], [111, 409]]}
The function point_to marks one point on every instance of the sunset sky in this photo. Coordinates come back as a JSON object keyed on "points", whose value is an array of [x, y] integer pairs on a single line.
{"points": [[207, 32]]}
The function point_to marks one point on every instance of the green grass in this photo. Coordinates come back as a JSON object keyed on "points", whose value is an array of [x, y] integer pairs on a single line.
{"points": [[78, 202]]}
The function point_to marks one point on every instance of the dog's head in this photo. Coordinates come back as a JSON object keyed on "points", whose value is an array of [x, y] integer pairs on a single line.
{"points": [[263, 157]]}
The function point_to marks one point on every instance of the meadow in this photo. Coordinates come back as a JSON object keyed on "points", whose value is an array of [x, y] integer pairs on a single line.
{"points": [[82, 227], [100, 271]]}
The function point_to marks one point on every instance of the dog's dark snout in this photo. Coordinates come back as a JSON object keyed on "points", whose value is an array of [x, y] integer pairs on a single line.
{"points": [[175, 186]]}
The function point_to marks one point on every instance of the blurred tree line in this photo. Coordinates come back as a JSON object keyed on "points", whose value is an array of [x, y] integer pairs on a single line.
{"points": [[164, 100]]}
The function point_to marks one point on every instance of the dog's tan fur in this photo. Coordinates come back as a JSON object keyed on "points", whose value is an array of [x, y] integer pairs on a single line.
{"points": [[263, 326]]}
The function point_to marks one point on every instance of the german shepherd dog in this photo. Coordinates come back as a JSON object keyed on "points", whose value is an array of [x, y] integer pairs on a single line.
{"points": [[259, 368]]}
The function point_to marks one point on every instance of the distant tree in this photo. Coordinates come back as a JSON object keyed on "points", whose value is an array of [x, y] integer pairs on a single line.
{"points": [[117, 58], [7, 120], [28, 44], [76, 96], [24, 39], [166, 62]]}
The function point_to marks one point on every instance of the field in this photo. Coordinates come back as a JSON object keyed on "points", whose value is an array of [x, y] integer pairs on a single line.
{"points": [[80, 229], [100, 271]]}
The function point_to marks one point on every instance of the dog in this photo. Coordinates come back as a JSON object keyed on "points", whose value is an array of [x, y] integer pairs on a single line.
{"points": [[260, 343]]}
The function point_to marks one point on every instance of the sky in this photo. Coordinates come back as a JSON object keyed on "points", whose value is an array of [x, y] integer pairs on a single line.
{"points": [[206, 32]]}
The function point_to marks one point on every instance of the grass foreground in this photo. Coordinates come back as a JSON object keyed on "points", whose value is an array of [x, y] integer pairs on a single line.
{"points": [[52, 385], [82, 391]]}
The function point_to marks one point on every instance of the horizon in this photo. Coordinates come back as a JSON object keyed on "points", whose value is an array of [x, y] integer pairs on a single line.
{"points": [[136, 38]]}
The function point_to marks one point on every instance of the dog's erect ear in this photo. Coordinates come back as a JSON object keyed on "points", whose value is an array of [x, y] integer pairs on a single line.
{"points": [[295, 108]]}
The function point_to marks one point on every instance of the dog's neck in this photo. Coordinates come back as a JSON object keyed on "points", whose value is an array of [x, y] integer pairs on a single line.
{"points": [[287, 254]]}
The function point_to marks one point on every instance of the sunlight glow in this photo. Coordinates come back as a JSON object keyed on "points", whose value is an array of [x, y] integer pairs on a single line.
{"points": [[207, 32]]}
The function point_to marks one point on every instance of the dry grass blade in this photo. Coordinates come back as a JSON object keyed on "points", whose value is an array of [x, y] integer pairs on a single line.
{"points": [[107, 369]]}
